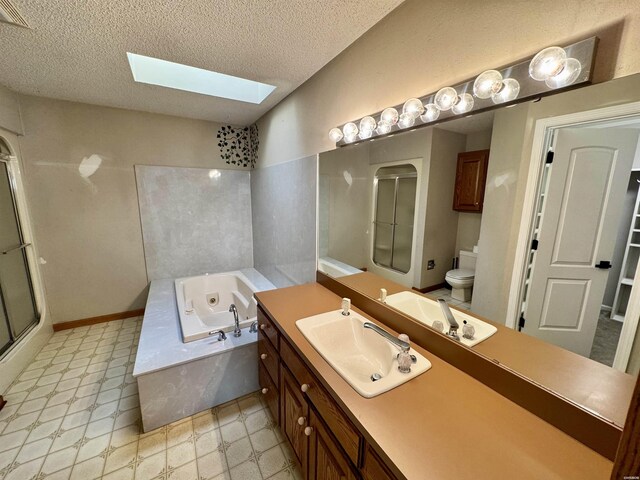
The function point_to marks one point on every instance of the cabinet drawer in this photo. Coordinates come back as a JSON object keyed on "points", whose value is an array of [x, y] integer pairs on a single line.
{"points": [[267, 328], [374, 468], [268, 358], [337, 422], [270, 392]]}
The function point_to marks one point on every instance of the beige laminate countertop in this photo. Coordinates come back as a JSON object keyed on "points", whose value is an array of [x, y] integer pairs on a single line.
{"points": [[442, 424], [598, 388]]}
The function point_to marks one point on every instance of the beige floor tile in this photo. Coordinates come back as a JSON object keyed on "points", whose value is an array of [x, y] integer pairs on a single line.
{"points": [[67, 438], [257, 421], [100, 427], [212, 464], [179, 432], [124, 436], [8, 456], [152, 444], [26, 470], [185, 472], [89, 469], [121, 457], [204, 422], [93, 447], [238, 452], [245, 471], [272, 461], [59, 460], [13, 440], [208, 442], [150, 467], [60, 475], [263, 440], [227, 413], [37, 449], [233, 431], [21, 422], [181, 454], [125, 473], [45, 429]]}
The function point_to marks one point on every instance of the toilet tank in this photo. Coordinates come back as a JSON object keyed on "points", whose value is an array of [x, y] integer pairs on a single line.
{"points": [[467, 260]]}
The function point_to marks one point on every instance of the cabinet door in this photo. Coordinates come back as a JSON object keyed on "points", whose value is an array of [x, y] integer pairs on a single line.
{"points": [[471, 176], [326, 461], [294, 415]]}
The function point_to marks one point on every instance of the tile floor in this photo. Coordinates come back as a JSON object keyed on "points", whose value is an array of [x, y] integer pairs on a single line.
{"points": [[605, 341], [446, 294], [74, 414]]}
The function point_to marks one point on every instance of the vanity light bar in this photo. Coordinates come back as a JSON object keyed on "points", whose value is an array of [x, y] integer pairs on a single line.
{"points": [[552, 70]]}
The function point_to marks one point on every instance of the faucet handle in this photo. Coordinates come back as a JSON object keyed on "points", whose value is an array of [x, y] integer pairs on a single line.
{"points": [[346, 305], [383, 295]]}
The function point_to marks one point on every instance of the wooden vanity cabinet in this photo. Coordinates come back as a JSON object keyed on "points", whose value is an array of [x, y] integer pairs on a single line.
{"points": [[471, 177], [269, 362], [326, 461], [327, 444]]}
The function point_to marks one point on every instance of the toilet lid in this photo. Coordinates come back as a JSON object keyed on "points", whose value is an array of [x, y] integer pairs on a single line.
{"points": [[461, 273]]}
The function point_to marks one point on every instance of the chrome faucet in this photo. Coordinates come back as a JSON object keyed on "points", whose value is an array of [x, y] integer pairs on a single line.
{"points": [[236, 331], [221, 335], [401, 344], [453, 324], [405, 359], [254, 327]]}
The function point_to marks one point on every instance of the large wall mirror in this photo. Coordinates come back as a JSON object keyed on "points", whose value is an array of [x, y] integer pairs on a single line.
{"points": [[526, 220]]}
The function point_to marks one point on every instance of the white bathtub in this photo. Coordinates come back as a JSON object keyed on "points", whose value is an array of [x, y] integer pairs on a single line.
{"points": [[203, 303], [335, 268]]}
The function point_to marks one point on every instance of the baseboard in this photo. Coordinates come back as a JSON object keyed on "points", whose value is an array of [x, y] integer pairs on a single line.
{"points": [[431, 288], [94, 320]]}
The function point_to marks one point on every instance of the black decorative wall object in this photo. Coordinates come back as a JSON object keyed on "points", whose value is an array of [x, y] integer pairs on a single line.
{"points": [[239, 145]]}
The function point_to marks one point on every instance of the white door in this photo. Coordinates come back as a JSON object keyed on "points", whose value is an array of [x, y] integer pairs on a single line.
{"points": [[580, 218]]}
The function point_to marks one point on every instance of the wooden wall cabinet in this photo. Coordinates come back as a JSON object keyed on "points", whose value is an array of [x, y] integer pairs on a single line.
{"points": [[471, 177], [326, 443]]}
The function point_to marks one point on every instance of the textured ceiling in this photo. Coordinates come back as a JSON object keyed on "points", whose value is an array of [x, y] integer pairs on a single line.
{"points": [[76, 50]]}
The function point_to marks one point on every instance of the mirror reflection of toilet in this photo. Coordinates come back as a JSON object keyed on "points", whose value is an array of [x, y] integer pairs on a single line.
{"points": [[461, 278]]}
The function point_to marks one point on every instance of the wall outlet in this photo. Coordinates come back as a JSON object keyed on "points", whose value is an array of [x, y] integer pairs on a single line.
{"points": [[431, 264]]}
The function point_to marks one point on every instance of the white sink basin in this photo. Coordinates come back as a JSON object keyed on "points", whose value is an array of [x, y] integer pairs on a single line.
{"points": [[356, 352], [427, 311]]}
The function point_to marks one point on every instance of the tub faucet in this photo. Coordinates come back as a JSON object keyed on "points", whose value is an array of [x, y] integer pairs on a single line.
{"points": [[453, 324], [236, 331], [254, 327]]}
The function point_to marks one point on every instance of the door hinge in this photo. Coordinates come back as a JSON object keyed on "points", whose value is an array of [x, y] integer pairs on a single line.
{"points": [[550, 157], [521, 322], [534, 244]]}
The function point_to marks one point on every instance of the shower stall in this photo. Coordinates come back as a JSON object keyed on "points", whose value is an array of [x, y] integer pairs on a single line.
{"points": [[18, 308]]}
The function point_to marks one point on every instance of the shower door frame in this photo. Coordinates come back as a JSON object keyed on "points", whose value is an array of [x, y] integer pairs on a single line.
{"points": [[26, 245]]}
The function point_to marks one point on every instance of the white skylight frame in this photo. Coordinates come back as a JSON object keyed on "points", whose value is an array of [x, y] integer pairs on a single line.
{"points": [[154, 71]]}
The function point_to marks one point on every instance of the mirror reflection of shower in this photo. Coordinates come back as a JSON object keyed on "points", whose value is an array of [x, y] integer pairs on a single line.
{"points": [[394, 213]]}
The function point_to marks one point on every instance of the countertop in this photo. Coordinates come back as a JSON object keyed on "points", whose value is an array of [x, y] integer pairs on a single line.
{"points": [[442, 424], [598, 388]]}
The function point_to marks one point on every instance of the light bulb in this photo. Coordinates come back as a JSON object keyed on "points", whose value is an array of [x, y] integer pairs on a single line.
{"points": [[350, 130], [430, 114], [510, 90], [350, 138], [335, 135], [364, 134], [567, 76], [413, 107], [383, 128], [406, 120], [389, 116], [463, 105], [445, 98], [368, 123], [487, 84], [547, 63]]}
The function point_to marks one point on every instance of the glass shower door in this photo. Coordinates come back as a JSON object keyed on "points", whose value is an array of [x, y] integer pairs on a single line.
{"points": [[17, 299]]}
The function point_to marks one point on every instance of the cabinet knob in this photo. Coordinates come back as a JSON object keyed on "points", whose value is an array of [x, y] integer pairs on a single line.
{"points": [[263, 356], [264, 391], [302, 421], [263, 326], [308, 431], [305, 387]]}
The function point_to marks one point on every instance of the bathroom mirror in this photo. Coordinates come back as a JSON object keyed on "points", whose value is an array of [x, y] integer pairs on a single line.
{"points": [[527, 218]]}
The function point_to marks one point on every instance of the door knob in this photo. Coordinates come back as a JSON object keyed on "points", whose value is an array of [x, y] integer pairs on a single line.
{"points": [[263, 326], [304, 387], [603, 264], [308, 431], [263, 356], [302, 421], [264, 391]]}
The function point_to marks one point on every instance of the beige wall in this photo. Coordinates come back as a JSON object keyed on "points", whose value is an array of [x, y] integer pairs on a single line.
{"points": [[422, 46], [88, 229], [10, 111], [469, 223], [441, 224]]}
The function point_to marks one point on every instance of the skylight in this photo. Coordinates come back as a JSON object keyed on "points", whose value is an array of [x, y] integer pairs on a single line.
{"points": [[191, 79]]}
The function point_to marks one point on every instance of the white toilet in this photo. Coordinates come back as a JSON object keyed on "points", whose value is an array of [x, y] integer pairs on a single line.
{"points": [[461, 279]]}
